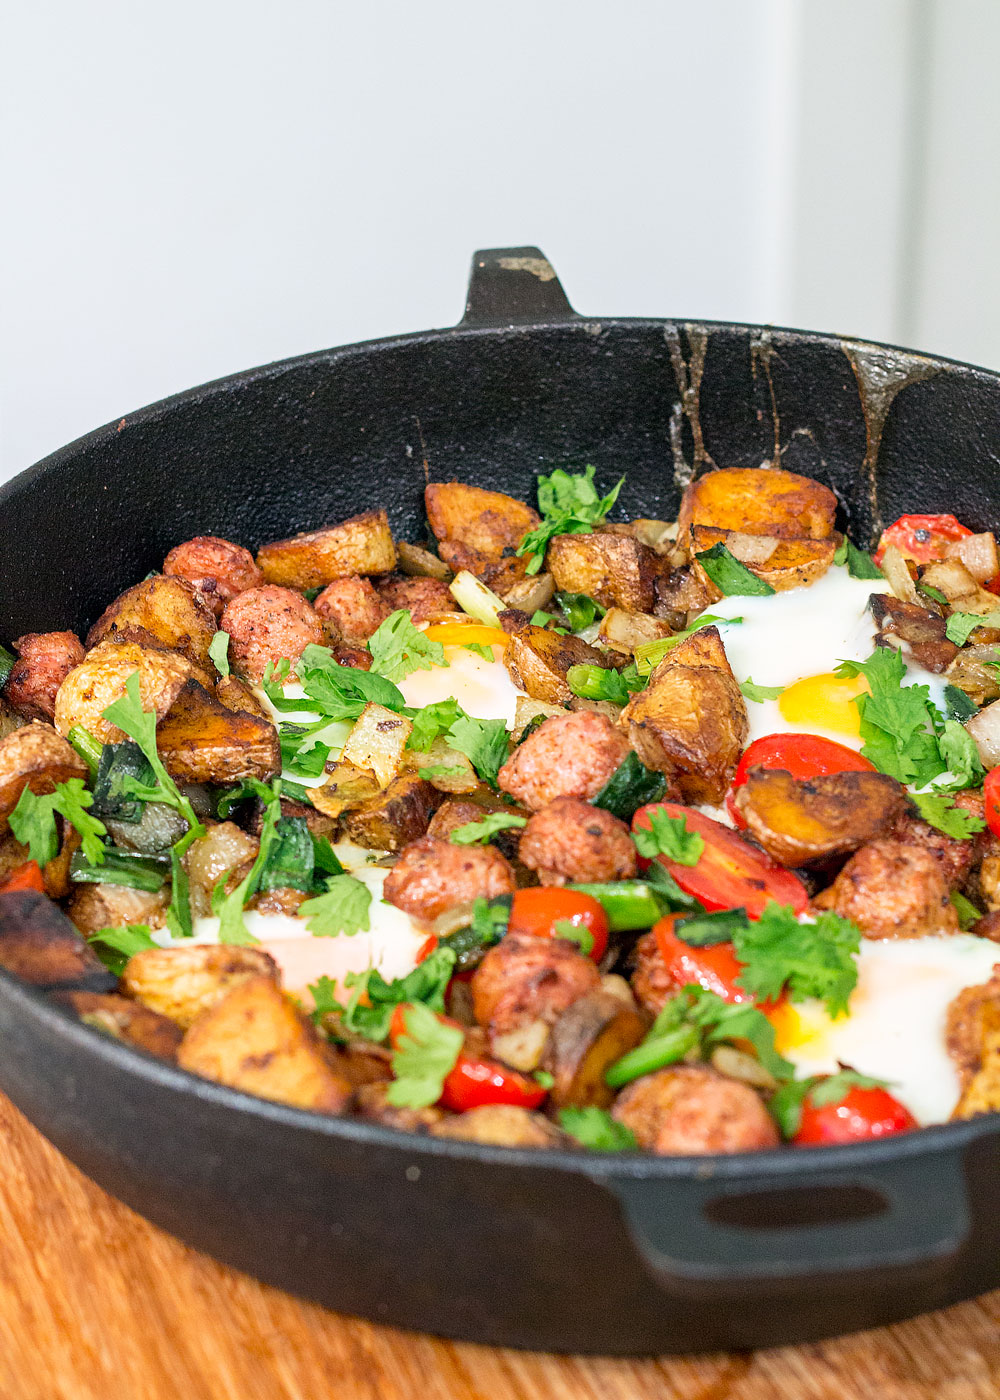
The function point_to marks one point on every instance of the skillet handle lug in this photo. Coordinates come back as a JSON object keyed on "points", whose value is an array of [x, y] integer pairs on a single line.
{"points": [[514, 287], [710, 1232]]}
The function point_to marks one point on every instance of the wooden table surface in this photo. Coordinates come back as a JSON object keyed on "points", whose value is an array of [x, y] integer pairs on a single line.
{"points": [[97, 1305]]}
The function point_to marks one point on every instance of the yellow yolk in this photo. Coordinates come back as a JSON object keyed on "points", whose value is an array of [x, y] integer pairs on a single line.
{"points": [[825, 700]]}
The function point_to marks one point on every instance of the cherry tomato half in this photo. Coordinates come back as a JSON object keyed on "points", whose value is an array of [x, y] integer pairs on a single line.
{"points": [[475, 1079], [922, 538], [802, 755], [25, 877], [991, 798], [730, 874], [860, 1115], [715, 968], [538, 910]]}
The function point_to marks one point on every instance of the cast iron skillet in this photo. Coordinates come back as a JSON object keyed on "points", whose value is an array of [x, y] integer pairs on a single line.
{"points": [[555, 1250]]}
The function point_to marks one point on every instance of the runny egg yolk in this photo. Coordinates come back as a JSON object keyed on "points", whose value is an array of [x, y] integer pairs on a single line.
{"points": [[825, 700]]}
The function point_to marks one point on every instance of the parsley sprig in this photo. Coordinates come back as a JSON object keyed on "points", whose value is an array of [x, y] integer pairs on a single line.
{"points": [[426, 1054], [33, 821], [569, 505], [478, 833], [344, 908], [668, 836], [595, 1128], [398, 648], [369, 1008], [484, 742]]}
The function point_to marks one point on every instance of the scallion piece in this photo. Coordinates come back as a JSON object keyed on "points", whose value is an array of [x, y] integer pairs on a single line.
{"points": [[125, 868]]}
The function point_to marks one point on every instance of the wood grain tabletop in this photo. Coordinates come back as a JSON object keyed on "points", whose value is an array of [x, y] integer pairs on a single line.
{"points": [[95, 1304]]}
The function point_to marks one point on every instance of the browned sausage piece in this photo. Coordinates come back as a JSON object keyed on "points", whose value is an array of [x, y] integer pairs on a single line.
{"points": [[570, 755], [357, 657], [891, 890], [44, 661], [571, 840], [690, 1109], [354, 608], [423, 597], [218, 569], [651, 981], [954, 855], [525, 979], [266, 624], [432, 876], [500, 1125]]}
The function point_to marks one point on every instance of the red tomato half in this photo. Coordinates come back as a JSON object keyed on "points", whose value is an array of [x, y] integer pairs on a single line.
{"points": [[26, 877], [922, 538], [475, 1080], [537, 911], [802, 755], [730, 874], [715, 968], [860, 1115], [991, 797]]}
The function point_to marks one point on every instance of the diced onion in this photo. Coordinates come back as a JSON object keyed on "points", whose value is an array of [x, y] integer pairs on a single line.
{"points": [[898, 575], [985, 731], [477, 600], [979, 555]]}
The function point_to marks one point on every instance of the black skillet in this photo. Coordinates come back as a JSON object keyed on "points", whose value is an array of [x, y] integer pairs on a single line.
{"points": [[562, 1250]]}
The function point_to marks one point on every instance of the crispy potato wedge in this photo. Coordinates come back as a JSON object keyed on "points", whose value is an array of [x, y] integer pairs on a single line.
{"points": [[981, 1092], [170, 609], [399, 814], [685, 591], [181, 983], [237, 695], [256, 1040], [361, 545], [691, 720], [615, 569], [39, 944], [588, 1037], [34, 756], [758, 501], [377, 742], [346, 786], [800, 821], [488, 522], [527, 709], [791, 564], [456, 774], [412, 559], [501, 575], [125, 1020], [624, 631], [92, 686], [500, 1125], [201, 741], [538, 661]]}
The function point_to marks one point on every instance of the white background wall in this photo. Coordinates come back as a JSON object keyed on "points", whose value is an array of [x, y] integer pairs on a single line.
{"points": [[194, 188]]}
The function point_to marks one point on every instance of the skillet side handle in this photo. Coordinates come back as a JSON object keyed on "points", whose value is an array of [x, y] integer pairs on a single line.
{"points": [[925, 1219], [514, 287]]}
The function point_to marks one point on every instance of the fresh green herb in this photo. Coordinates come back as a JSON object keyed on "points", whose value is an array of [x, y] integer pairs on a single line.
{"points": [[398, 648], [595, 1128], [114, 946], [432, 722], [649, 654], [729, 575], [343, 909], [33, 821], [933, 593], [967, 912], [815, 959], [7, 660], [442, 770], [958, 704], [218, 650], [541, 618], [291, 858], [603, 683], [668, 836], [478, 833], [759, 693], [787, 1102], [230, 907], [324, 994], [487, 926], [859, 562], [632, 785], [478, 649], [335, 692], [125, 868], [574, 933], [705, 930], [425, 1056], [580, 609], [959, 754], [325, 858], [140, 726], [296, 757], [119, 766], [484, 743], [939, 811], [369, 1008], [569, 505], [898, 722], [961, 625], [666, 888], [86, 746], [542, 1077]]}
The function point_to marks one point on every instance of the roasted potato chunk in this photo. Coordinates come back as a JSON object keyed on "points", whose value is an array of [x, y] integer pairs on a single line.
{"points": [[201, 741], [759, 501], [125, 1020], [615, 569], [971, 1015], [34, 756], [418, 562], [799, 821], [500, 1125], [100, 679], [399, 814], [170, 609], [181, 983], [981, 1090], [254, 1039], [624, 631], [587, 1039], [488, 522], [685, 591], [789, 564], [361, 545], [39, 944], [952, 578], [691, 720], [346, 786], [538, 661], [377, 741], [237, 695]]}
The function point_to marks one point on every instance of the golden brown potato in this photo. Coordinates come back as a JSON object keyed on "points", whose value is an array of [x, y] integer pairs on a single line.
{"points": [[488, 522], [952, 578], [39, 944], [346, 785], [34, 756], [93, 907], [361, 545], [500, 1125], [981, 1090], [971, 1014], [398, 814], [201, 741], [501, 575], [615, 569], [624, 631], [92, 686], [759, 501], [455, 773], [256, 1040], [170, 609], [588, 1037], [181, 983], [538, 661], [685, 591], [799, 821], [125, 1020], [790, 564], [237, 695], [691, 720]]}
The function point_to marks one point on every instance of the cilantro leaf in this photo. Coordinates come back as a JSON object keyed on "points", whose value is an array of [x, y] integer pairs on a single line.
{"points": [[431, 722], [668, 836], [898, 722], [759, 693], [398, 648], [581, 610], [859, 562], [425, 1056], [473, 833], [218, 650], [478, 649], [574, 933], [324, 994], [114, 946], [569, 505], [343, 909], [369, 1009], [961, 625], [33, 821], [484, 743], [809, 959], [959, 754], [229, 907], [140, 726], [934, 594], [595, 1128], [298, 758], [487, 926], [335, 692], [442, 770], [939, 810]]}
